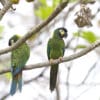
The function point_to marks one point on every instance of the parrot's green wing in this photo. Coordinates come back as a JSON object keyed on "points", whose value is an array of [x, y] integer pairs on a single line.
{"points": [[63, 49], [48, 49], [19, 58]]}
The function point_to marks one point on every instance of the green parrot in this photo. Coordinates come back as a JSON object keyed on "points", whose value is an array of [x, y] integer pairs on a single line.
{"points": [[19, 57], [55, 50]]}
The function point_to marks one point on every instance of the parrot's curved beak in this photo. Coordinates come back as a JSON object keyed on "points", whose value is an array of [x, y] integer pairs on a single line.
{"points": [[65, 35], [9, 43]]}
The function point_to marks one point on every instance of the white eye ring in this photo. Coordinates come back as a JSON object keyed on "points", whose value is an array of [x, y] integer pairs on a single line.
{"points": [[62, 32]]}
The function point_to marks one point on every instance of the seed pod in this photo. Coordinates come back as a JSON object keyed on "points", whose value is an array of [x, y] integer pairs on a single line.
{"points": [[84, 16]]}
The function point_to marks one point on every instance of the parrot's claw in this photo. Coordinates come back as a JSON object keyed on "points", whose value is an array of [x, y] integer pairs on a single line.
{"points": [[60, 58], [51, 61]]}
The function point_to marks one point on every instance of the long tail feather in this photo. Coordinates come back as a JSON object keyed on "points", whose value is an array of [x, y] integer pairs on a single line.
{"points": [[53, 76], [17, 79], [20, 82], [13, 86], [18, 70]]}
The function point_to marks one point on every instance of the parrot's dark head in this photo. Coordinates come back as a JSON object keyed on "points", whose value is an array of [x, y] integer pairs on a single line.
{"points": [[13, 39], [60, 32]]}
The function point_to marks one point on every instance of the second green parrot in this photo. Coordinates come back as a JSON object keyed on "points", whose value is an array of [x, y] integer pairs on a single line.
{"points": [[19, 57], [55, 50]]}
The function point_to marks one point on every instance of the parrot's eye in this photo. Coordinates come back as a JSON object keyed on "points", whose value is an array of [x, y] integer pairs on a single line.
{"points": [[62, 32]]}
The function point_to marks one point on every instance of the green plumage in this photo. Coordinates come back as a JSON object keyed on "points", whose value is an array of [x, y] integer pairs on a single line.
{"points": [[19, 58], [55, 50]]}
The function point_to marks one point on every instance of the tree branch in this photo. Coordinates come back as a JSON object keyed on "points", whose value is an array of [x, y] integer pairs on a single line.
{"points": [[65, 59], [35, 30], [5, 9]]}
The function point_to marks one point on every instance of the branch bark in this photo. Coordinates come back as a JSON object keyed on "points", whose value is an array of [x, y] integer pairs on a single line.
{"points": [[65, 59], [5, 9]]}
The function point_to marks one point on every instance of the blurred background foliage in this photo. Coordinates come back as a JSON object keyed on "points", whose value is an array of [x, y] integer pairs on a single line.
{"points": [[27, 16], [1, 30], [47, 7]]}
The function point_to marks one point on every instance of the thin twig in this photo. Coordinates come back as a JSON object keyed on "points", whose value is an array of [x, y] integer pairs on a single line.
{"points": [[88, 73], [68, 85]]}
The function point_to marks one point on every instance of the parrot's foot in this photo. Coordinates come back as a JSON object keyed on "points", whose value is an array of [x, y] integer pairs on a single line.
{"points": [[51, 61], [60, 58]]}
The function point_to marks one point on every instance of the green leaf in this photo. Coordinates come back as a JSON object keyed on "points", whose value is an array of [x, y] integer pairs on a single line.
{"points": [[80, 46], [72, 0], [1, 29], [8, 75], [87, 35], [56, 2], [43, 2], [44, 12]]}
